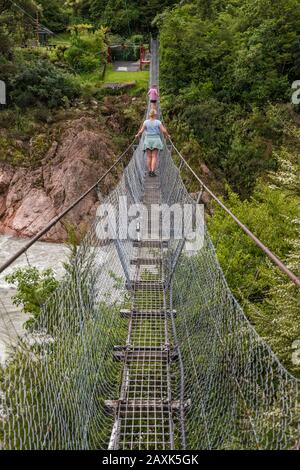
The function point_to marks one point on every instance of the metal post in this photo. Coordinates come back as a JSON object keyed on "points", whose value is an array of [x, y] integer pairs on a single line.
{"points": [[98, 192], [200, 194]]}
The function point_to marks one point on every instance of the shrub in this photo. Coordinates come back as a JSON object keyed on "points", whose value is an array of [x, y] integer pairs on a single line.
{"points": [[7, 118], [6, 43], [34, 288], [7, 71], [137, 39], [81, 61], [42, 114], [41, 83]]}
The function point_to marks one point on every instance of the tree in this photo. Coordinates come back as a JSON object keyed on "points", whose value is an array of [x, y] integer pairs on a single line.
{"points": [[18, 20], [127, 16], [221, 64], [88, 49], [54, 15], [34, 288]]}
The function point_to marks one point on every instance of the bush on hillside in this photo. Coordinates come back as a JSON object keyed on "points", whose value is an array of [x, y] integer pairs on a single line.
{"points": [[34, 288], [41, 83], [87, 51]]}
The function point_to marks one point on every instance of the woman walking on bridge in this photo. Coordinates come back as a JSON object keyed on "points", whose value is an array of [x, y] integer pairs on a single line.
{"points": [[152, 143], [153, 95]]}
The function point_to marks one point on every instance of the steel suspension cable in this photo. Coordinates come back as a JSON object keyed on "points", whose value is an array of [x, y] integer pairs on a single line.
{"points": [[31, 18]]}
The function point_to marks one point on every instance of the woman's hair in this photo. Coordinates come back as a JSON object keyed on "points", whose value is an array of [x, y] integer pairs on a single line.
{"points": [[152, 113]]}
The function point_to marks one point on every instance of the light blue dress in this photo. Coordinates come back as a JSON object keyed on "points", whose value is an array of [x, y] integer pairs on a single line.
{"points": [[152, 135]]}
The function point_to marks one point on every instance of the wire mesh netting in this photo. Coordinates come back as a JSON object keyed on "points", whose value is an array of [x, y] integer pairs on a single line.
{"points": [[143, 346], [236, 394]]}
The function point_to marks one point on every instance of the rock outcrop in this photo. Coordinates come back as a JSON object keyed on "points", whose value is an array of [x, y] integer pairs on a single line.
{"points": [[29, 199]]}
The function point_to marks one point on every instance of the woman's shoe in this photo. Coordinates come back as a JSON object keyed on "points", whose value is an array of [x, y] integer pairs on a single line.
{"points": [[150, 173]]}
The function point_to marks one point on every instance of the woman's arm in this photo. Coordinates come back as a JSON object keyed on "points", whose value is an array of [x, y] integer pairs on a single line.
{"points": [[140, 131], [164, 130]]}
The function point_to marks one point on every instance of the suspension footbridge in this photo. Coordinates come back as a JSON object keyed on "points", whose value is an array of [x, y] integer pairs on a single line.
{"points": [[143, 346]]}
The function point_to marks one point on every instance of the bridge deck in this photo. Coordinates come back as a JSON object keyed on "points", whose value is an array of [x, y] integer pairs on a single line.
{"points": [[144, 411]]}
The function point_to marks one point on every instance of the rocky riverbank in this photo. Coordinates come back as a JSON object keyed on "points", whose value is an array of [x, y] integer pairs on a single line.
{"points": [[81, 149]]}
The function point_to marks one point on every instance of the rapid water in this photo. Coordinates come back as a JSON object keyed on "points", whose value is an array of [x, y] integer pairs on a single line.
{"points": [[42, 255]]}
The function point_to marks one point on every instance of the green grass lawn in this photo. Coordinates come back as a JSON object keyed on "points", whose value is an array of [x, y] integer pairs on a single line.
{"points": [[94, 77], [141, 78], [62, 38]]}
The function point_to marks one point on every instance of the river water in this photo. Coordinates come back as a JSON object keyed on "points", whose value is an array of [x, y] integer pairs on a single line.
{"points": [[42, 255]]}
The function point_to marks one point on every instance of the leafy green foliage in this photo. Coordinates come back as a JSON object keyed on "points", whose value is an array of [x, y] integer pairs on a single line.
{"points": [[227, 69], [127, 17], [63, 318], [269, 299], [223, 63], [41, 82], [34, 288], [54, 15], [5, 43], [87, 51], [16, 23]]}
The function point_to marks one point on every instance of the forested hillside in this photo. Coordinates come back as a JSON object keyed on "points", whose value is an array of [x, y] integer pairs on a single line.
{"points": [[230, 66], [121, 16]]}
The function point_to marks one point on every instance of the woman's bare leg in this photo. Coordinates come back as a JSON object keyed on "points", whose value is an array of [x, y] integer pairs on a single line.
{"points": [[149, 159], [154, 159]]}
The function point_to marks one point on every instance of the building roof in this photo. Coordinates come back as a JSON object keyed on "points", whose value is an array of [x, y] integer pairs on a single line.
{"points": [[43, 30]]}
